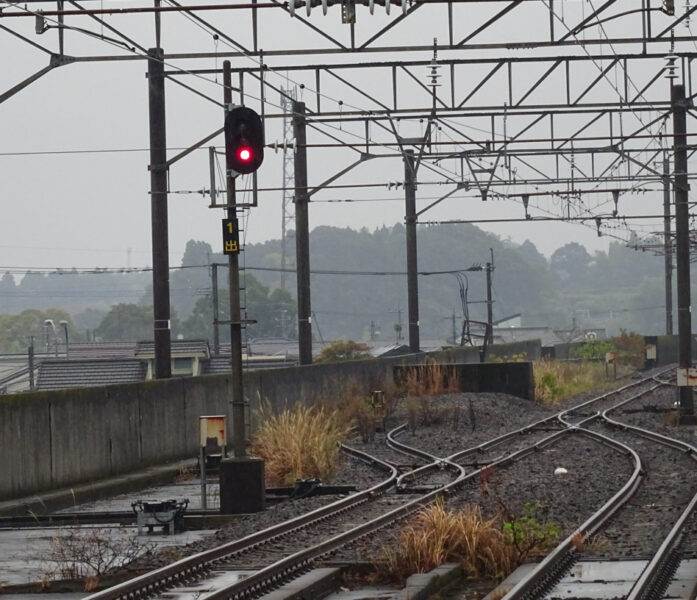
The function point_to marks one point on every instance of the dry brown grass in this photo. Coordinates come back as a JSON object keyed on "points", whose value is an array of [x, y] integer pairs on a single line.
{"points": [[186, 473], [555, 381], [578, 541], [435, 536], [430, 379], [596, 544], [365, 416], [299, 443]]}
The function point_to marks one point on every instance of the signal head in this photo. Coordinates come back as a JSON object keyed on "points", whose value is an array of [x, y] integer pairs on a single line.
{"points": [[244, 140]]}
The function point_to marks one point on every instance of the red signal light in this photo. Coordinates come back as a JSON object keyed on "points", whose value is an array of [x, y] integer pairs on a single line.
{"points": [[244, 140]]}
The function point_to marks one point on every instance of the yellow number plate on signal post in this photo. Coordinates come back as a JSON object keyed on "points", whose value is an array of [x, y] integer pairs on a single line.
{"points": [[231, 236]]}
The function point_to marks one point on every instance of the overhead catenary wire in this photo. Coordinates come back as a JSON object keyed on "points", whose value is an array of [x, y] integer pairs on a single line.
{"points": [[323, 94]]}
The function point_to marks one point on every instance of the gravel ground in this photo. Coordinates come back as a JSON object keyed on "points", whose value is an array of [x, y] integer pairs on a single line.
{"points": [[593, 475], [566, 500]]}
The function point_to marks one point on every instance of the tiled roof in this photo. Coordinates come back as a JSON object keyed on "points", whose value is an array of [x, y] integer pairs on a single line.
{"points": [[217, 364], [221, 363], [61, 374], [179, 348], [102, 349]]}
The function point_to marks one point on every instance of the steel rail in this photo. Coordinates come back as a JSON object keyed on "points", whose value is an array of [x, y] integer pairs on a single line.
{"points": [[197, 563], [654, 579], [185, 568], [274, 574], [436, 462], [560, 559], [485, 446]]}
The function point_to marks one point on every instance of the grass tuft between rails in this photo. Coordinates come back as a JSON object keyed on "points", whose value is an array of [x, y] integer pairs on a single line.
{"points": [[486, 548], [436, 536], [299, 443]]}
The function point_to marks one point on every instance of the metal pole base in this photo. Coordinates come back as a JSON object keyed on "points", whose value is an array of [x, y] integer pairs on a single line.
{"points": [[686, 406], [242, 488]]}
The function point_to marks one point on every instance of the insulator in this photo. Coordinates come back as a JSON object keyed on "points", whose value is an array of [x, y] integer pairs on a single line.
{"points": [[404, 7], [324, 7], [291, 7], [671, 66], [371, 6], [387, 6], [40, 24], [308, 7]]}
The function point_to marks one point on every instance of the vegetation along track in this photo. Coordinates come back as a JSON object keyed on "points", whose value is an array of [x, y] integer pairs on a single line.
{"points": [[271, 575], [647, 518]]}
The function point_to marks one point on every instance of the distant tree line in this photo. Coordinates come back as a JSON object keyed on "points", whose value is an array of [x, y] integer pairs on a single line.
{"points": [[617, 289]]}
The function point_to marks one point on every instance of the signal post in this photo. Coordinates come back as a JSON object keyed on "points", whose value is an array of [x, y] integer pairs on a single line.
{"points": [[242, 488]]}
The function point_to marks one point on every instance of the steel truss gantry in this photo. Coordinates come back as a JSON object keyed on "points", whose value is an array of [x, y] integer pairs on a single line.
{"points": [[511, 99]]}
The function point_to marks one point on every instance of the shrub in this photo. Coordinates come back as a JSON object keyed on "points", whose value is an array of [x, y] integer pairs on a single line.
{"points": [[630, 348], [530, 533], [342, 350], [594, 349], [299, 443], [90, 553]]}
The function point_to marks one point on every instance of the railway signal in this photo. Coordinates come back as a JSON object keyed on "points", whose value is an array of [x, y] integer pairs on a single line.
{"points": [[244, 140]]}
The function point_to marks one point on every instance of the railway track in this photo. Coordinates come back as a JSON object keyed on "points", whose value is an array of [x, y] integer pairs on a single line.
{"points": [[286, 561], [636, 504]]}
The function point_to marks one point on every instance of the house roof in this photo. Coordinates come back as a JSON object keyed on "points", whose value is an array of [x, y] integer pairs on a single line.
{"points": [[221, 363], [61, 374], [86, 350], [179, 348]]}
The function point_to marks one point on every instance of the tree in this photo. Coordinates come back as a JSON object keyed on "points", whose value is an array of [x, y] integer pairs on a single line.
{"points": [[128, 322], [16, 331], [199, 324], [571, 263], [275, 313], [341, 350], [196, 254]]}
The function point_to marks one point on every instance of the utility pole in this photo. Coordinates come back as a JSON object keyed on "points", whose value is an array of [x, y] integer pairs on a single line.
{"points": [[412, 260], [238, 416], [30, 352], [302, 236], [159, 218], [241, 477], [489, 303], [216, 312], [682, 230], [668, 244]]}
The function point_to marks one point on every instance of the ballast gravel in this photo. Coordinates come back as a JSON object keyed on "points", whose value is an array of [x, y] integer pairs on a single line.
{"points": [[592, 474]]}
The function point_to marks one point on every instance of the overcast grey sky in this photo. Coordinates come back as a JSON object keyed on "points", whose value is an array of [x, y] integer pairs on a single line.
{"points": [[64, 208]]}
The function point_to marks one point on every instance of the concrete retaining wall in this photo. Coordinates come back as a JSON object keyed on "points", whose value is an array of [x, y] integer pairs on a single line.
{"points": [[57, 439]]}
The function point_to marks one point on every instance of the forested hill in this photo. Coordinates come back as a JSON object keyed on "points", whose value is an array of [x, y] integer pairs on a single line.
{"points": [[622, 288], [345, 303], [617, 289]]}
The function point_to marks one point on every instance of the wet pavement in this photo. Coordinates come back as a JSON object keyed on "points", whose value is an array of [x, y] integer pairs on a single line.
{"points": [[29, 555], [36, 554]]}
